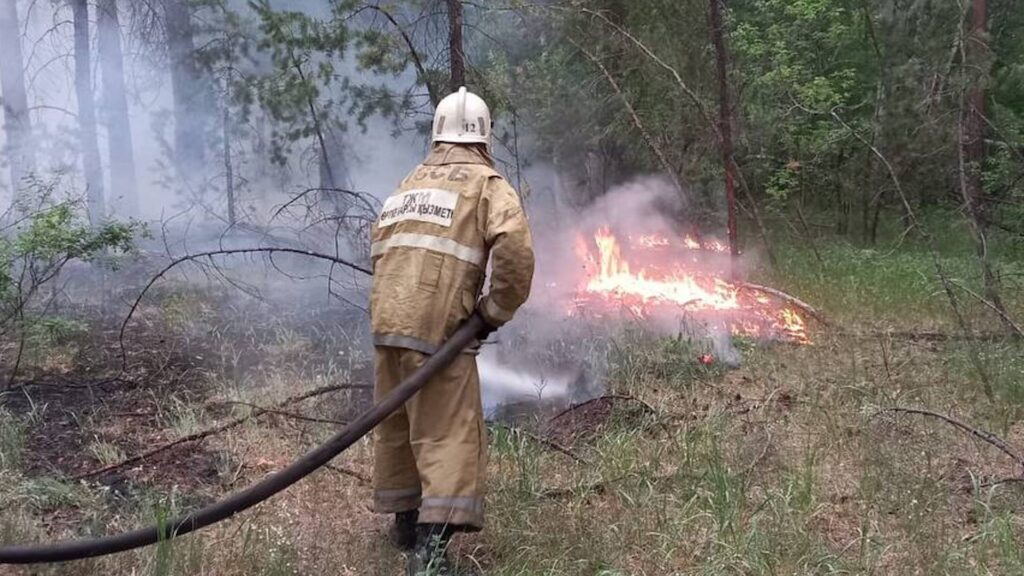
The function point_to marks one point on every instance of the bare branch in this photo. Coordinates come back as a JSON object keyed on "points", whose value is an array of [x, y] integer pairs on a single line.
{"points": [[414, 54], [215, 430], [211, 254], [648, 139], [810, 310], [984, 435]]}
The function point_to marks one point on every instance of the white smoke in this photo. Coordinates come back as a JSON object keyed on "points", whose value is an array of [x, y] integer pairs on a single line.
{"points": [[515, 370]]}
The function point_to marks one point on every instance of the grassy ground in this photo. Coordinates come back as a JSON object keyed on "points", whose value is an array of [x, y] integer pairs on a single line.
{"points": [[787, 465]]}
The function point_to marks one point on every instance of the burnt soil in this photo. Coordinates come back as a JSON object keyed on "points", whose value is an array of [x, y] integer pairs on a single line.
{"points": [[96, 395], [67, 410], [582, 423]]}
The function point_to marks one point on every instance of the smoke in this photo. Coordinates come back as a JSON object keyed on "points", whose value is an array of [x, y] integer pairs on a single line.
{"points": [[553, 353], [644, 206], [545, 354], [369, 151]]}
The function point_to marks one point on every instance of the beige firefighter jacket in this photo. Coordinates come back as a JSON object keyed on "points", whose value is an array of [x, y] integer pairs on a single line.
{"points": [[430, 249]]}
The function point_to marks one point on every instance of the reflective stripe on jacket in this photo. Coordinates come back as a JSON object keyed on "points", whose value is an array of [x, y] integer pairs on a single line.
{"points": [[431, 245]]}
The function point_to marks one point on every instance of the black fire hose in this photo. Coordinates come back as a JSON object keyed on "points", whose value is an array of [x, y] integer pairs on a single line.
{"points": [[90, 547]]}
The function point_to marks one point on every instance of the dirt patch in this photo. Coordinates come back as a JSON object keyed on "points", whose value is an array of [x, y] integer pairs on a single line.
{"points": [[584, 422], [73, 424], [115, 398]]}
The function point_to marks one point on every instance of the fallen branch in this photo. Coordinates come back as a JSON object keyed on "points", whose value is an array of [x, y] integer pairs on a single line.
{"points": [[66, 384], [650, 409], [212, 431], [810, 310], [1001, 481], [210, 254], [595, 488], [984, 435], [546, 442], [362, 478], [286, 414], [1013, 326], [603, 486], [924, 335]]}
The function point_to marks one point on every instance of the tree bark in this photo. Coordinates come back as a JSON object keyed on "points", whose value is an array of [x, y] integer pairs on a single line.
{"points": [[868, 197], [842, 202], [123, 191], [456, 52], [879, 202], [229, 169], [17, 123], [972, 153], [973, 140], [724, 117], [189, 145], [972, 124], [87, 114]]}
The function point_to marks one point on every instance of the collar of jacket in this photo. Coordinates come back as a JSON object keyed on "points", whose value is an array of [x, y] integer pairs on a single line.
{"points": [[449, 153]]}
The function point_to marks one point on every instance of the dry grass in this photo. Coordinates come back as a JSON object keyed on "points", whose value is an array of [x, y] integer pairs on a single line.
{"points": [[779, 467]]}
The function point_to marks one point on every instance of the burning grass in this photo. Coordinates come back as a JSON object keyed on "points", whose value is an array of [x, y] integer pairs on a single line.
{"points": [[661, 276]]}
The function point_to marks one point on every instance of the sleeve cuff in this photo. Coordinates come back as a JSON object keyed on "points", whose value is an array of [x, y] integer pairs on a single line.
{"points": [[494, 314]]}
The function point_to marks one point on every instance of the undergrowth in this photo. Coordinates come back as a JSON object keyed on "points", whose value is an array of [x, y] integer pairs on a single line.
{"points": [[785, 465]]}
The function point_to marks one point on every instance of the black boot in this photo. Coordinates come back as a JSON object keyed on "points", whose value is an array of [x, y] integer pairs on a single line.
{"points": [[403, 530], [430, 558]]}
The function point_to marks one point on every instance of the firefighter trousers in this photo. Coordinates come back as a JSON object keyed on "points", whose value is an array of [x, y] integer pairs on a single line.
{"points": [[431, 454]]}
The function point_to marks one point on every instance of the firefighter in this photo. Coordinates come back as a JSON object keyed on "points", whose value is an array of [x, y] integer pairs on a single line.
{"points": [[431, 245]]}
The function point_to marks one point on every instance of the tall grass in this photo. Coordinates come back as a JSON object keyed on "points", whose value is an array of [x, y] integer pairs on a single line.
{"points": [[895, 282]]}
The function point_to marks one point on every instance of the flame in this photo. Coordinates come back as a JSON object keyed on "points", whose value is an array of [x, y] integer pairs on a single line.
{"points": [[615, 279], [708, 245], [715, 246], [669, 283], [651, 241], [792, 324]]}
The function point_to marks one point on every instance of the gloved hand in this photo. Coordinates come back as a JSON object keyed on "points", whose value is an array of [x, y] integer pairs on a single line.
{"points": [[487, 329]]}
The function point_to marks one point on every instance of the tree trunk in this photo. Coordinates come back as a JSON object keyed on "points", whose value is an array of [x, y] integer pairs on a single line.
{"points": [[189, 145], [229, 169], [869, 198], [972, 152], [456, 54], [879, 203], [865, 200], [17, 124], [87, 114], [724, 117], [973, 140], [842, 202], [123, 190]]}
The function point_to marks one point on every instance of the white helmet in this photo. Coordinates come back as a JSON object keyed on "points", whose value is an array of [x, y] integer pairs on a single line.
{"points": [[462, 118]]}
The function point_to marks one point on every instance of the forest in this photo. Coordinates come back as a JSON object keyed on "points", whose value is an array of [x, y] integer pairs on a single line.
{"points": [[775, 327]]}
